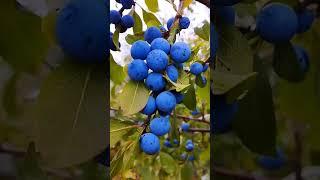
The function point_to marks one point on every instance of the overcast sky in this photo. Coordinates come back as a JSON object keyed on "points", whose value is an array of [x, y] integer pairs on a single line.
{"points": [[166, 11]]}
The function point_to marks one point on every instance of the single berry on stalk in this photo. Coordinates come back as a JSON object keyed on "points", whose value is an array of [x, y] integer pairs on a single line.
{"points": [[127, 4], [161, 44], [150, 107], [184, 23], [152, 33], [138, 70], [140, 49], [157, 60], [127, 21], [115, 17], [185, 126], [149, 143], [196, 68], [155, 82], [166, 101], [172, 73], [160, 126], [180, 52]]}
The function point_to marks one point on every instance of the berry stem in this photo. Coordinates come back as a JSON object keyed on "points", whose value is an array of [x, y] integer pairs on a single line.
{"points": [[199, 130], [186, 118]]}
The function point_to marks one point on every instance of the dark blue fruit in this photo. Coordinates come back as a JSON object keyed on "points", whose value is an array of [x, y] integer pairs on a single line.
{"points": [[115, 17], [179, 96], [167, 143], [138, 70], [166, 101], [150, 107], [180, 52], [274, 29], [160, 126], [222, 114], [127, 21], [185, 126], [112, 46], [161, 44], [205, 67], [127, 4], [170, 22], [81, 30], [305, 20], [226, 14], [157, 60], [272, 163], [155, 82], [184, 22], [175, 141], [302, 57], [149, 143], [172, 73], [152, 33], [140, 49], [196, 68], [189, 146]]}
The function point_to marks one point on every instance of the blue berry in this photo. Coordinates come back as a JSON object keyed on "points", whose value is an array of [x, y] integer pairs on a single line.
{"points": [[305, 20], [189, 141], [175, 141], [274, 29], [204, 80], [163, 29], [205, 67], [85, 43], [302, 57], [184, 23], [222, 114], [157, 60], [180, 52], [196, 68], [167, 143], [170, 22], [115, 17], [127, 21], [183, 156], [179, 96], [189, 147], [160, 126], [226, 14], [272, 163], [140, 49], [155, 82], [111, 44], [152, 33], [191, 158], [149, 143], [195, 112], [166, 101], [185, 126], [172, 73], [127, 4], [150, 107], [161, 44], [179, 65], [137, 70]]}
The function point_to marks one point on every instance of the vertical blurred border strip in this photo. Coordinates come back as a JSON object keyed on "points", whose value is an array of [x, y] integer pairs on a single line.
{"points": [[107, 3], [212, 64]]}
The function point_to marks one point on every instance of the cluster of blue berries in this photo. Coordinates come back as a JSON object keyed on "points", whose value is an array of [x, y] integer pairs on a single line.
{"points": [[151, 64]]}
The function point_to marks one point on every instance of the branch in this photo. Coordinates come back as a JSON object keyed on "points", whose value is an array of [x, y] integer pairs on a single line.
{"points": [[199, 130], [231, 174], [192, 119]]}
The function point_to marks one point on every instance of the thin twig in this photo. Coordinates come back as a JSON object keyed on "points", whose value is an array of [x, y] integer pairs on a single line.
{"points": [[199, 130]]}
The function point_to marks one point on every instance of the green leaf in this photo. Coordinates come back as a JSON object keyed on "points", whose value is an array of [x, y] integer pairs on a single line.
{"points": [[234, 51], [187, 171], [117, 74], [204, 93], [286, 64], [255, 122], [133, 38], [70, 114], [137, 28], [152, 5], [189, 99], [168, 164], [10, 97], [150, 19], [204, 31], [118, 129], [199, 81], [22, 43], [133, 97]]}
